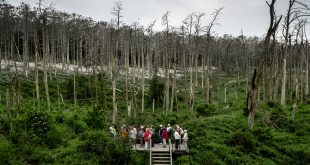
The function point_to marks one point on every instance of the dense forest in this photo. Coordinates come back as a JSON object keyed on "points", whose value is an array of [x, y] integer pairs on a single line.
{"points": [[65, 79]]}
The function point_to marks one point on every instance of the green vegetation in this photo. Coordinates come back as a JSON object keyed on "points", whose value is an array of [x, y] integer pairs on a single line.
{"points": [[78, 134]]}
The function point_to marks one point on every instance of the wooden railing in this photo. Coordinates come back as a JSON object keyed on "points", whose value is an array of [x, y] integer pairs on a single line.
{"points": [[170, 150], [150, 145]]}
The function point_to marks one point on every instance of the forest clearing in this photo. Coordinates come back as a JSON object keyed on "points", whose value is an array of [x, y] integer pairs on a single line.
{"points": [[72, 88]]}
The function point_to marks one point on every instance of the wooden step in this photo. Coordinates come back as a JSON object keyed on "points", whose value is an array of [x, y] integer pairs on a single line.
{"points": [[161, 153], [161, 161], [166, 157], [160, 158]]}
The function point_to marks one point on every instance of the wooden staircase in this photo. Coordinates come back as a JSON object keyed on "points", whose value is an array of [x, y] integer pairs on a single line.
{"points": [[161, 158]]}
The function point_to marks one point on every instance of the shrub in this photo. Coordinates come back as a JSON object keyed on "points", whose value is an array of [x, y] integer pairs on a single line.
{"points": [[263, 135], [109, 151], [278, 119], [33, 126], [6, 151], [38, 123], [4, 124], [76, 124], [204, 109], [96, 118], [243, 139]]}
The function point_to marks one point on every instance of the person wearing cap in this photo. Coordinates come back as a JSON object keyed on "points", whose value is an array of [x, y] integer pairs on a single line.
{"points": [[185, 138], [141, 135], [132, 133], [177, 138], [169, 129], [160, 134], [112, 132], [169, 132], [124, 133]]}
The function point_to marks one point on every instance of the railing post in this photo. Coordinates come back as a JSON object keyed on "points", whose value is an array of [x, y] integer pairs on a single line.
{"points": [[170, 150], [150, 145]]}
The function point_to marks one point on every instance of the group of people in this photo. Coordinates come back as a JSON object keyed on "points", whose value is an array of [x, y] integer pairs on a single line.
{"points": [[144, 134], [180, 136], [124, 132]]}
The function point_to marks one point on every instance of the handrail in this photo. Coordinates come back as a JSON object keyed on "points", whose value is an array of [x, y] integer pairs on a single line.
{"points": [[150, 145], [170, 150], [135, 141]]}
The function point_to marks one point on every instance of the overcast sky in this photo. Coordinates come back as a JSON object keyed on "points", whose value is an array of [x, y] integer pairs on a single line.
{"points": [[249, 15]]}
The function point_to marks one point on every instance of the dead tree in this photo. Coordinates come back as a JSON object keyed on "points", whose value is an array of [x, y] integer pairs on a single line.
{"points": [[252, 96], [207, 60], [166, 62], [117, 12]]}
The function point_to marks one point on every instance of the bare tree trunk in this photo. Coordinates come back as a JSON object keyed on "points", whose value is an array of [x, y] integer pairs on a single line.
{"points": [[174, 79], [207, 75], [8, 109], [166, 64], [26, 55], [114, 101], [252, 96], [36, 42], [306, 71], [283, 86], [58, 92], [191, 86], [167, 90], [287, 24], [74, 88], [45, 79], [126, 81], [143, 78], [294, 111], [133, 88], [117, 12]]}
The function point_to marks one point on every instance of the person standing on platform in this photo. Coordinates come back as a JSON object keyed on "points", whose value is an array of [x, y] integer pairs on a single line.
{"points": [[185, 138], [177, 138], [165, 137], [160, 132], [147, 137]]}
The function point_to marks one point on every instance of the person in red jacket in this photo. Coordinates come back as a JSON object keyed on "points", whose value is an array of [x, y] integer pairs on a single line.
{"points": [[165, 137], [147, 137]]}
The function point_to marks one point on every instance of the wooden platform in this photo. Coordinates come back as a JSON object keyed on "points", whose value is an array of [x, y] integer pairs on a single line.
{"points": [[159, 147]]}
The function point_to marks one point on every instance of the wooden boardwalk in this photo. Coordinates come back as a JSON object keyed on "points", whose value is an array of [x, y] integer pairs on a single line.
{"points": [[159, 147]]}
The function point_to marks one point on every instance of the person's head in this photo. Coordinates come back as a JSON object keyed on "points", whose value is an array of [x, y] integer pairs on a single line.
{"points": [[168, 125], [185, 131], [161, 126]]}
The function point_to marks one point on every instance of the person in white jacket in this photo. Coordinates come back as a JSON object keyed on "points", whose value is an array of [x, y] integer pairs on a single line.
{"points": [[185, 138], [177, 138]]}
